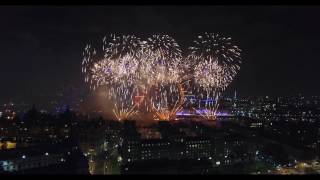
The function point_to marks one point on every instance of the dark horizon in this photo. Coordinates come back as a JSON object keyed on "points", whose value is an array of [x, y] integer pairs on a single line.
{"points": [[42, 46]]}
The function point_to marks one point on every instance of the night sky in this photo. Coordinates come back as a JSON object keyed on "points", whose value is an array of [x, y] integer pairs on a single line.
{"points": [[41, 47]]}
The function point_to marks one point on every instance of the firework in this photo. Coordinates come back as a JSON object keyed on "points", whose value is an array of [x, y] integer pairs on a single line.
{"points": [[209, 113], [119, 46], [161, 56], [87, 62], [169, 103], [213, 63], [217, 57], [152, 73], [116, 69], [163, 75], [213, 46], [124, 113]]}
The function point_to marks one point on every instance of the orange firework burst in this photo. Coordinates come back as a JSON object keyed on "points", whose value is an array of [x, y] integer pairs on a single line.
{"points": [[124, 113], [170, 114], [166, 114]]}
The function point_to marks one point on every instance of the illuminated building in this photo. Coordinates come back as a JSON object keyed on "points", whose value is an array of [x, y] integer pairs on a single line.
{"points": [[91, 137], [180, 142], [8, 111], [41, 156]]}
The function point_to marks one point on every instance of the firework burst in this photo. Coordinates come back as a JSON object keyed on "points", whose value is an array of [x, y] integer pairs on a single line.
{"points": [[217, 57], [208, 113], [162, 54], [155, 71], [119, 46], [214, 62], [169, 102], [124, 113], [213, 46], [116, 69]]}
